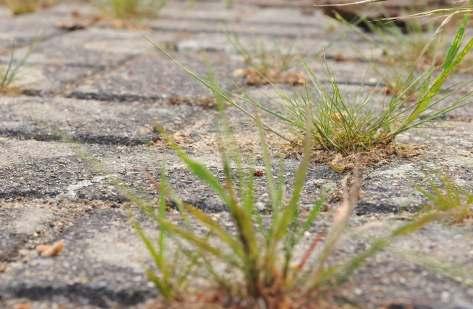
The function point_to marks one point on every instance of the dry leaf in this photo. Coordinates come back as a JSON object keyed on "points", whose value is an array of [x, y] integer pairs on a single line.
{"points": [[51, 250], [72, 25], [3, 267], [340, 164]]}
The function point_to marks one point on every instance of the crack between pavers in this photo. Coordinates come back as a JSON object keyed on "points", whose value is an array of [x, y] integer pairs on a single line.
{"points": [[67, 87], [80, 138], [34, 41], [97, 296], [201, 101], [257, 23], [217, 30]]}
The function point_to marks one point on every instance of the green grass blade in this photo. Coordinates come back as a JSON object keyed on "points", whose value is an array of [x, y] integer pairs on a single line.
{"points": [[216, 229]]}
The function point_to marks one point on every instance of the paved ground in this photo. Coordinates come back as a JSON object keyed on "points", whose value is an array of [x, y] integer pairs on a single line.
{"points": [[106, 88]]}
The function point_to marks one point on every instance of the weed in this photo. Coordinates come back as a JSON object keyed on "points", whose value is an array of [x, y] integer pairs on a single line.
{"points": [[259, 261], [346, 126], [124, 9], [266, 65], [343, 125], [9, 73], [417, 46], [449, 199], [18, 7]]}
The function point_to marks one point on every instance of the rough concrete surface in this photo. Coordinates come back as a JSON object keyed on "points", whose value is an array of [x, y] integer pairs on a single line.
{"points": [[83, 118]]}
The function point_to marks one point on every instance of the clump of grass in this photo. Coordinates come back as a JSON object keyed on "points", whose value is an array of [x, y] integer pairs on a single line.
{"points": [[18, 7], [258, 261], [346, 126], [449, 199], [9, 73], [265, 65], [123, 9]]}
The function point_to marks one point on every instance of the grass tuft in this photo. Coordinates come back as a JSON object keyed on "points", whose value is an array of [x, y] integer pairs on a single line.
{"points": [[447, 198], [257, 260], [124, 9], [18, 7], [346, 126], [265, 65], [9, 73]]}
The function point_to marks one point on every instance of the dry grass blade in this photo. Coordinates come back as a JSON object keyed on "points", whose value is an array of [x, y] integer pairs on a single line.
{"points": [[350, 200], [9, 74], [349, 3]]}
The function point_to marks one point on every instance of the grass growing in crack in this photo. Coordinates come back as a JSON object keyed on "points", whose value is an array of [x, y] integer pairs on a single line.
{"points": [[123, 9], [18, 7], [347, 127], [9, 73], [447, 197], [265, 65], [257, 261]]}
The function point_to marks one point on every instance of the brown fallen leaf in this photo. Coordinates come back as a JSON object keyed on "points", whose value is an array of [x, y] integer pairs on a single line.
{"points": [[51, 250], [23, 306], [253, 77], [3, 267], [78, 23], [72, 25], [294, 78]]}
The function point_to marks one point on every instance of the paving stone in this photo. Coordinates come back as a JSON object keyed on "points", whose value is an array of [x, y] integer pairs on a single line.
{"points": [[307, 47], [239, 12], [47, 79], [203, 26], [102, 264], [17, 31], [26, 224], [47, 169], [211, 11], [402, 275], [126, 123], [94, 47], [289, 16], [448, 150], [156, 77]]}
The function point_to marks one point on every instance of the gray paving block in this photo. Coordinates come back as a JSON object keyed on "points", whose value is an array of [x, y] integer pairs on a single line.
{"points": [[308, 48], [25, 224], [26, 30], [211, 11], [156, 77], [102, 263], [126, 123], [34, 169], [204, 26], [447, 150], [405, 274], [94, 47], [47, 79]]}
